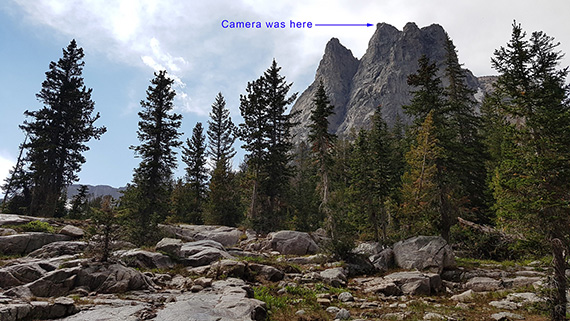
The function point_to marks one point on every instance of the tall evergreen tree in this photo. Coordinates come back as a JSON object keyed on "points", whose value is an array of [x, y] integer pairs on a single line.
{"points": [[466, 149], [252, 133], [277, 166], [374, 175], [221, 132], [322, 142], [428, 94], [266, 133], [59, 132], [194, 156], [532, 177], [429, 97], [420, 183], [223, 206], [147, 198], [304, 196]]}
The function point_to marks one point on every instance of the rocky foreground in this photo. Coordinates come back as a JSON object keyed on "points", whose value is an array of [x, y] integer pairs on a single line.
{"points": [[222, 273]]}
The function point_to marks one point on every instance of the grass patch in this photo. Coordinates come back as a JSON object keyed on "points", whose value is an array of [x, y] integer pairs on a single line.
{"points": [[33, 226], [268, 294], [323, 288], [282, 305]]}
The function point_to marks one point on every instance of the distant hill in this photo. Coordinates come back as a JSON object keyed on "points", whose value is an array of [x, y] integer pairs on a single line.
{"points": [[96, 191]]}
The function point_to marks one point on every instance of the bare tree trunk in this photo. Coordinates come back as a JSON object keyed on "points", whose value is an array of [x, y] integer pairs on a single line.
{"points": [[559, 299], [16, 168], [253, 204]]}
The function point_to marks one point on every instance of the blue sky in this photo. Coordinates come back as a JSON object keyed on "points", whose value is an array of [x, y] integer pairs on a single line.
{"points": [[125, 41]]}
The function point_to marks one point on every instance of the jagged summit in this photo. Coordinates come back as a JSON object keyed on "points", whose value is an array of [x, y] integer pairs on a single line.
{"points": [[336, 70], [356, 87]]}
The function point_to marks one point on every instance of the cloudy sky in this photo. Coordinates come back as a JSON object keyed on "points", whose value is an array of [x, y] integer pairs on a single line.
{"points": [[125, 41]]}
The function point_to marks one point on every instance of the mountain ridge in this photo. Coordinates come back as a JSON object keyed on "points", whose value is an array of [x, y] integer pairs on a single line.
{"points": [[356, 87], [95, 191]]}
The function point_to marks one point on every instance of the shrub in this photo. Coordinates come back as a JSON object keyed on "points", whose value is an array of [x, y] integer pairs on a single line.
{"points": [[37, 226]]}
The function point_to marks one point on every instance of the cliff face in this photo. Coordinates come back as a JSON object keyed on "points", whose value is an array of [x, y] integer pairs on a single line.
{"points": [[356, 87], [336, 70]]}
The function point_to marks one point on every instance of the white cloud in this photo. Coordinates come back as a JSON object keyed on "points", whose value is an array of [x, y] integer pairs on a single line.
{"points": [[186, 39]]}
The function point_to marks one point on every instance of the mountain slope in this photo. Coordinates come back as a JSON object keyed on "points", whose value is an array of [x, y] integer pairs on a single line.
{"points": [[356, 87]]}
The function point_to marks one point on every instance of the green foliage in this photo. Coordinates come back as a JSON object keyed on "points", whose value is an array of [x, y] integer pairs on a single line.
{"points": [[342, 231], [494, 246], [224, 200], [304, 198], [221, 132], [34, 226], [106, 228], [420, 185], [79, 203], [146, 200], [224, 206], [266, 136], [182, 204], [268, 295], [58, 133], [466, 152], [531, 177], [375, 176], [322, 141], [194, 156]]}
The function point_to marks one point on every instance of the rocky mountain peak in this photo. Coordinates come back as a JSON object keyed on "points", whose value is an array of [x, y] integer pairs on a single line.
{"points": [[336, 70], [356, 87]]}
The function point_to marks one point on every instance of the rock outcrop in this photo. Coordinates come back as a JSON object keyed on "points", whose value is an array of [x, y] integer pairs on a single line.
{"points": [[424, 253], [356, 87], [292, 242], [21, 244], [227, 236], [201, 280]]}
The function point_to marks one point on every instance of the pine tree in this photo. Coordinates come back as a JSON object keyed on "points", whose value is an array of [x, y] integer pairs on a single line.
{"points": [[429, 97], [221, 131], [194, 156], [223, 206], [266, 136], [304, 197], [420, 186], [278, 134], [59, 132], [532, 176], [428, 94], [106, 226], [375, 174], [322, 142], [79, 203], [147, 198], [466, 153], [252, 133]]}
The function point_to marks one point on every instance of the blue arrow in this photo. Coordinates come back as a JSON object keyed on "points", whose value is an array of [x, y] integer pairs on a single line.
{"points": [[343, 25]]}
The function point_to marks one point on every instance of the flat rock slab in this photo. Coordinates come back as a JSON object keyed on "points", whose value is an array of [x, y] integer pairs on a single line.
{"points": [[21, 244], [227, 236], [14, 219], [483, 284], [126, 312], [226, 301]]}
